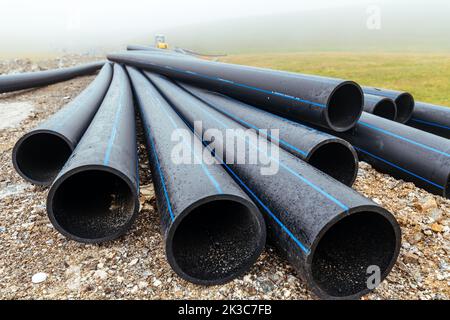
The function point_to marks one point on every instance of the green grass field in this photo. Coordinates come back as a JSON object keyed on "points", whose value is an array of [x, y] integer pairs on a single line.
{"points": [[425, 75]]}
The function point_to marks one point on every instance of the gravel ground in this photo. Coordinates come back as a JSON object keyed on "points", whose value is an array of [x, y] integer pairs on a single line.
{"points": [[134, 267]]}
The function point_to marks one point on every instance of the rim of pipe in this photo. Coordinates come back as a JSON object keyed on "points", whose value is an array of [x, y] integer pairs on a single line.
{"points": [[386, 108], [250, 210], [405, 107], [347, 154], [381, 224], [132, 194], [344, 106], [18, 162]]}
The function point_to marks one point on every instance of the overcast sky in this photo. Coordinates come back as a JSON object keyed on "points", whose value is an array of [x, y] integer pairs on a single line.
{"points": [[55, 24]]}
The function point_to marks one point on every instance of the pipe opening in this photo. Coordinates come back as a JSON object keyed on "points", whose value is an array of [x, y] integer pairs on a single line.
{"points": [[93, 205], [41, 156], [217, 241], [405, 107], [344, 253], [337, 160], [386, 109], [345, 107]]}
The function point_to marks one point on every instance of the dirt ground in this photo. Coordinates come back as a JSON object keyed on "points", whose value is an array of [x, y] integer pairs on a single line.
{"points": [[134, 267]]}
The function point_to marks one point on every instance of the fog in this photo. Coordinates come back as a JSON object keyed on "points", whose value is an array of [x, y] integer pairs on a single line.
{"points": [[29, 27]]}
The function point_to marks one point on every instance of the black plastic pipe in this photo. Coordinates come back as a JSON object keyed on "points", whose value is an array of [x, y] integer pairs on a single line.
{"points": [[330, 103], [380, 106], [431, 118], [40, 154], [95, 196], [403, 100], [403, 152], [328, 232], [21, 81], [331, 155], [213, 232]]}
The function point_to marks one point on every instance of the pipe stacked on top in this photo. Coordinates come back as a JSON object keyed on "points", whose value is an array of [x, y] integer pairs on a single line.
{"points": [[431, 118], [40, 154], [95, 196], [332, 155], [213, 232], [21, 81], [404, 101], [403, 152], [331, 103], [329, 233]]}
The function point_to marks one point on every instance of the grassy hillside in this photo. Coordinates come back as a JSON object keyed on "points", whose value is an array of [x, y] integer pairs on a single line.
{"points": [[425, 75]]}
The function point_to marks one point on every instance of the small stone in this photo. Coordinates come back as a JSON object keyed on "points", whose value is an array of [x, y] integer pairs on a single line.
{"points": [[142, 285], [157, 283], [415, 238], [436, 227], [133, 262], [428, 232], [147, 190], [39, 277], [410, 258], [100, 274], [2, 229], [429, 204]]}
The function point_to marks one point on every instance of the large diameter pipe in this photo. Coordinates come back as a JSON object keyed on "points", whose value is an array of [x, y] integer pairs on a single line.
{"points": [[431, 118], [330, 103], [328, 232], [403, 100], [40, 154], [21, 81], [213, 232], [332, 155], [95, 196], [403, 152], [380, 106]]}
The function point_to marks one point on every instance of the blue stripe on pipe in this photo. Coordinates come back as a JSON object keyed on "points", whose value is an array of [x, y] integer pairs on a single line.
{"points": [[204, 168], [273, 93], [255, 197], [404, 139], [312, 185], [114, 131], [398, 167], [281, 141], [430, 123], [158, 167]]}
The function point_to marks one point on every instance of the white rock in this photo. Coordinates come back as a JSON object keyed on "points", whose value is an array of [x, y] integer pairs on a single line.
{"points": [[157, 283], [39, 277], [100, 274]]}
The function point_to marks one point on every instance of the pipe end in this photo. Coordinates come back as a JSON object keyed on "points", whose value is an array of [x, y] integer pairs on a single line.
{"points": [[39, 156], [354, 254], [92, 204], [216, 240], [337, 158], [405, 107], [344, 106]]}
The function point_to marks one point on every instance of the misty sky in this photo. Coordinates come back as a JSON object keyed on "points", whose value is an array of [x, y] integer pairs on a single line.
{"points": [[57, 24]]}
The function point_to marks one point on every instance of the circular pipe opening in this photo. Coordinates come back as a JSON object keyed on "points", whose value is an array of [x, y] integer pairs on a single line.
{"points": [[336, 159], [405, 107], [39, 156], [216, 241], [350, 250], [92, 205], [344, 106], [386, 108]]}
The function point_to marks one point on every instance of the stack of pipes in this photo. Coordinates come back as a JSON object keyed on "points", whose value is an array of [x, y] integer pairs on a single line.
{"points": [[216, 210]]}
